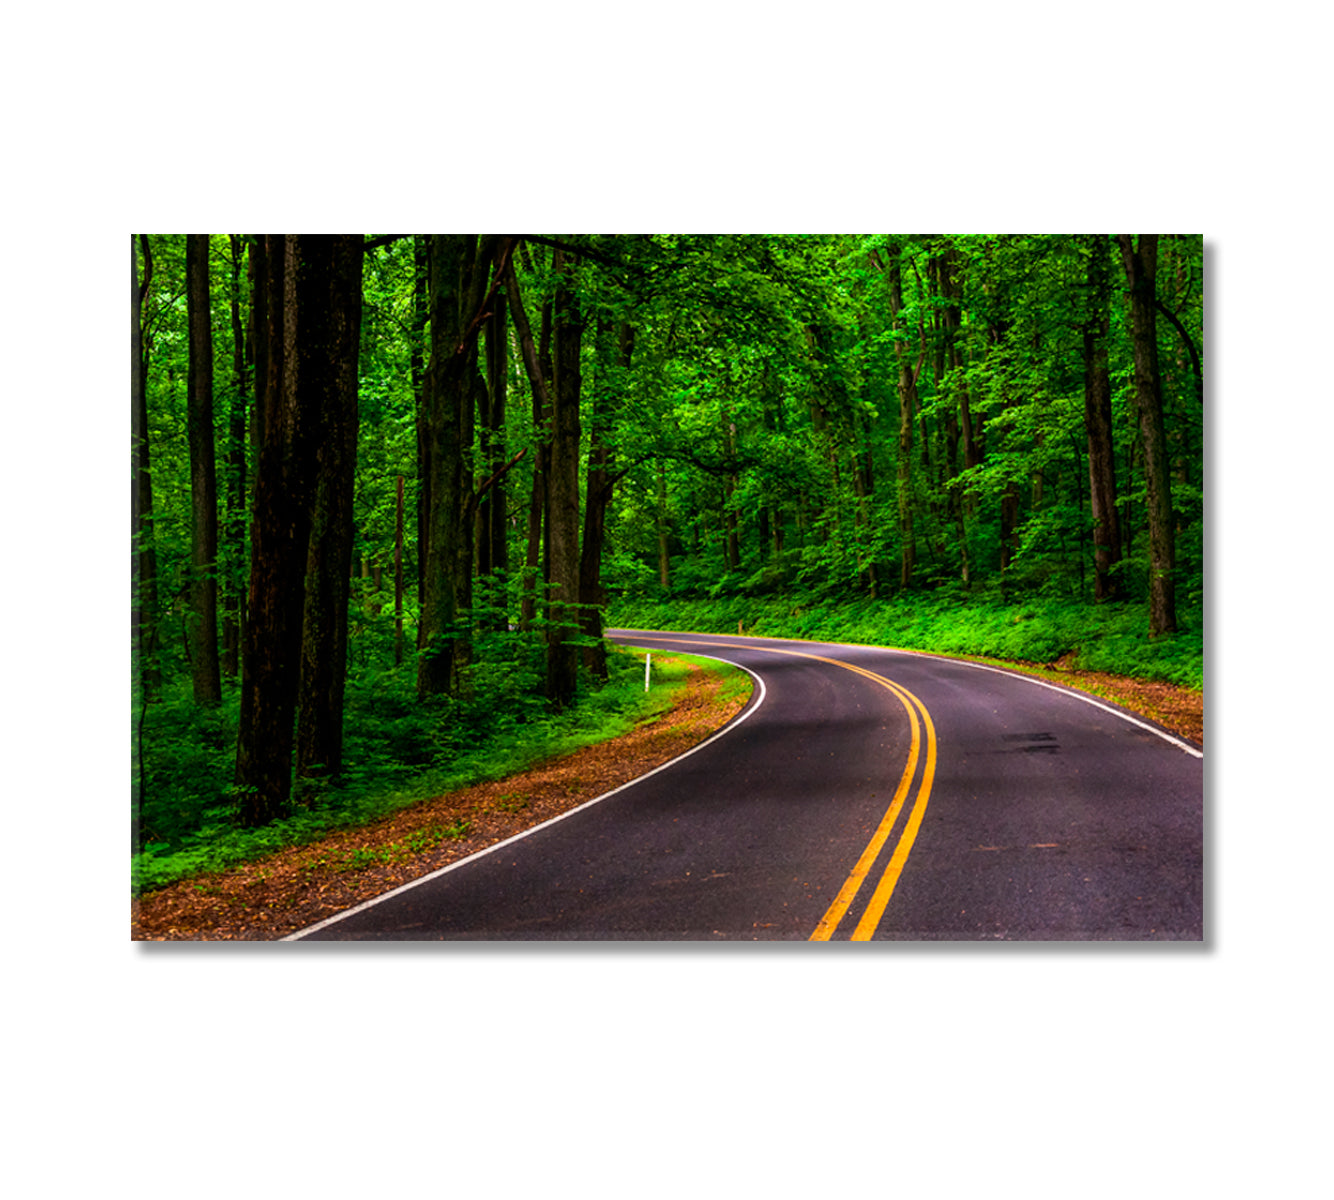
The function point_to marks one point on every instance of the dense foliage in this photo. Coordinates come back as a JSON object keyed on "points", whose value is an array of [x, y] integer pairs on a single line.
{"points": [[899, 433]]}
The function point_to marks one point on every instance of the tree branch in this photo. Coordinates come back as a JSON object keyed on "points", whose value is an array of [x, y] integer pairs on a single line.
{"points": [[483, 309], [486, 485], [525, 332], [613, 479], [921, 326], [1190, 345], [583, 252]]}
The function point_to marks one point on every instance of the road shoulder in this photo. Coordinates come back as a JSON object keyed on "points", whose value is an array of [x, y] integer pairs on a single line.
{"points": [[300, 886]]}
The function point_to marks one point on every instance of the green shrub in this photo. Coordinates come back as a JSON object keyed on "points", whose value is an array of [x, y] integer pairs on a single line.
{"points": [[397, 750], [1107, 637]]}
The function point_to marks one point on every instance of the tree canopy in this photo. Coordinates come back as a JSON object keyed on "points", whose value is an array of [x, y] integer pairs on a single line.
{"points": [[442, 462]]}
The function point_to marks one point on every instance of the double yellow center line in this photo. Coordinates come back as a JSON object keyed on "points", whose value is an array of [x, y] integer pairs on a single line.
{"points": [[889, 879], [922, 730]]}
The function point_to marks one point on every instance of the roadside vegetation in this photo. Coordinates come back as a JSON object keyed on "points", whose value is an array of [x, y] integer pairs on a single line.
{"points": [[399, 752], [1110, 638]]}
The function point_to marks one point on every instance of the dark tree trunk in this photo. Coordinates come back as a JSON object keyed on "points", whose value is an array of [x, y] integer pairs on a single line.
{"points": [[664, 542], [398, 574], [143, 556], [1141, 267], [233, 609], [863, 487], [458, 266], [417, 366], [292, 357], [446, 398], [1009, 523], [492, 550], [203, 625], [907, 391], [959, 426], [532, 559], [563, 491], [598, 490], [537, 379], [319, 746], [1098, 422], [731, 528], [731, 525]]}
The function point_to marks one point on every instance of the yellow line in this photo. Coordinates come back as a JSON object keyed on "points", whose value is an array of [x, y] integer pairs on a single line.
{"points": [[875, 910], [843, 901], [889, 880]]}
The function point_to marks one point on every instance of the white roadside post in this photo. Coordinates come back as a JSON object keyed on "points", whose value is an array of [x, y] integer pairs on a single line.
{"points": [[648, 660]]}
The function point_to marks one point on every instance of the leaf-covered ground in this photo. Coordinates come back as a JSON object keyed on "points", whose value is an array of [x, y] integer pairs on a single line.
{"points": [[297, 887], [1178, 709]]}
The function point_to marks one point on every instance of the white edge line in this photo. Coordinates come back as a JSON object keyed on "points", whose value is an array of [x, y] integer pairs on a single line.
{"points": [[509, 841], [1074, 693], [1077, 695]]}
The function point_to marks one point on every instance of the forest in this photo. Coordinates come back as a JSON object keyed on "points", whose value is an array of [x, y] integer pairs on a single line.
{"points": [[389, 490]]}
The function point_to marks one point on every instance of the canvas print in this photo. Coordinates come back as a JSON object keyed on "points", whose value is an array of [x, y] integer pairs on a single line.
{"points": [[668, 587]]}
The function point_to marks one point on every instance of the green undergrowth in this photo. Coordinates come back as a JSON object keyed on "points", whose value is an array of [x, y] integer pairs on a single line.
{"points": [[398, 751], [1112, 638]]}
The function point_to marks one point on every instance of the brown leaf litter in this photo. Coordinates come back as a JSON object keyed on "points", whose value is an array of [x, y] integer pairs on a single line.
{"points": [[296, 887]]}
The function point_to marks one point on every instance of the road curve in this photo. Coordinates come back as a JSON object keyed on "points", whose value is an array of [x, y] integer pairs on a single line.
{"points": [[863, 794]]}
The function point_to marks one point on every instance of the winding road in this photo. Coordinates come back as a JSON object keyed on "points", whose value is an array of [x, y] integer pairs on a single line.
{"points": [[862, 794]]}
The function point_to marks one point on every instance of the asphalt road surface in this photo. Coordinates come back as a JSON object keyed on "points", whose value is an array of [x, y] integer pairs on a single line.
{"points": [[863, 794]]}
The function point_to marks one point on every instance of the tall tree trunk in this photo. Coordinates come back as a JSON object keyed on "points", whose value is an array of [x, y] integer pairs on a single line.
{"points": [[563, 490], [907, 390], [1098, 423], [447, 395], [532, 560], [203, 625], [459, 267], [959, 425], [548, 367], [1141, 262], [292, 357], [598, 492], [1009, 524], [731, 527], [664, 545], [731, 524], [476, 262], [398, 573], [143, 555], [537, 380], [234, 526], [417, 367], [483, 303], [319, 744], [863, 487], [492, 549]]}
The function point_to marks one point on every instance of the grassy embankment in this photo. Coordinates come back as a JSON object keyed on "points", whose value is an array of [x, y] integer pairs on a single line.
{"points": [[399, 750], [1110, 638]]}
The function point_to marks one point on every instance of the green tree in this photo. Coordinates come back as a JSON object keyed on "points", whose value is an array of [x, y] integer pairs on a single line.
{"points": [[319, 747], [232, 578], [562, 484], [203, 624], [462, 283], [1098, 423], [143, 558], [1140, 258], [301, 341]]}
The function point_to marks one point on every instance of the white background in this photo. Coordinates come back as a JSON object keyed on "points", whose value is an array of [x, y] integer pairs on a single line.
{"points": [[657, 1071]]}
